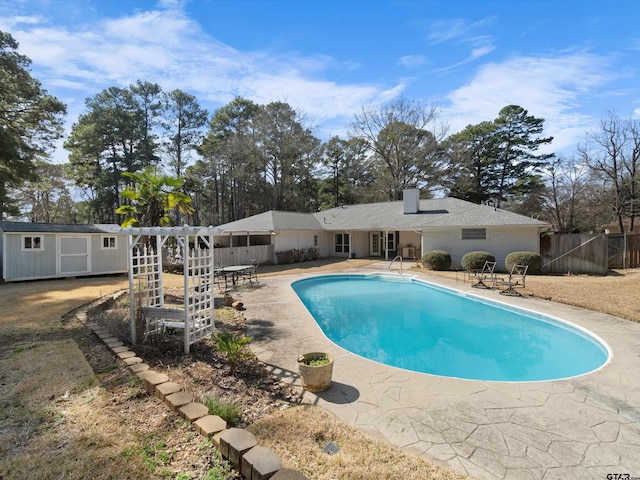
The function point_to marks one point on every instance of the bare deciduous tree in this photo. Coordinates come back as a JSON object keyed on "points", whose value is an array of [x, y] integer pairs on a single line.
{"points": [[613, 156], [404, 138], [567, 199]]}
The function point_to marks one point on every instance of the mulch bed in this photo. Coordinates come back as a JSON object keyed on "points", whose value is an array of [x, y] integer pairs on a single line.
{"points": [[205, 372]]}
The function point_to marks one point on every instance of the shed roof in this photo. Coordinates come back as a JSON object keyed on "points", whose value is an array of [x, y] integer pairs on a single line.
{"points": [[34, 227]]}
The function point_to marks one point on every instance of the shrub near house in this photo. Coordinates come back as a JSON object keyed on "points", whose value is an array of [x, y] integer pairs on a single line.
{"points": [[436, 260], [476, 260], [533, 260]]}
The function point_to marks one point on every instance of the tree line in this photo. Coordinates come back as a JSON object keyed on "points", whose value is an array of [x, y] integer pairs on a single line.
{"points": [[246, 158]]}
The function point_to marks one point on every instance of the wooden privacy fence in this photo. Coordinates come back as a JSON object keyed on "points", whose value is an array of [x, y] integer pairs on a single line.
{"points": [[589, 253], [574, 253], [624, 250]]}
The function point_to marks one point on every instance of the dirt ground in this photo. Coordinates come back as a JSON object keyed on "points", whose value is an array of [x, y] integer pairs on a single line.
{"points": [[69, 409]]}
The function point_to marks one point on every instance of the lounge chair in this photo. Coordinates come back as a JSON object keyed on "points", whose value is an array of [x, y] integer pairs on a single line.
{"points": [[484, 278], [516, 279]]}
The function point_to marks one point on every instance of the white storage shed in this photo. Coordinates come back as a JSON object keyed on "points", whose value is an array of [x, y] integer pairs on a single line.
{"points": [[33, 251]]}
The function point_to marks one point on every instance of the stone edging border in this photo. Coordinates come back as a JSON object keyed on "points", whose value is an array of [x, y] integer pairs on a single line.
{"points": [[237, 445]]}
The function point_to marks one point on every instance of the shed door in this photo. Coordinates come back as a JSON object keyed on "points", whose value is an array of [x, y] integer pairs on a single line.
{"points": [[73, 255]]}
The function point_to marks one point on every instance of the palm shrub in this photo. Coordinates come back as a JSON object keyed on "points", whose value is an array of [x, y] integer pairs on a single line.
{"points": [[436, 260], [233, 346], [475, 260], [524, 258], [151, 197]]}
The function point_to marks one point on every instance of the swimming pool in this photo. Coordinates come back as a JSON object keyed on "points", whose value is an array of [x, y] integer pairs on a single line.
{"points": [[411, 324]]}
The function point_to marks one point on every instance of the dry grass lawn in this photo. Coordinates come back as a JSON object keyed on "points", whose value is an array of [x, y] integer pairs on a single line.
{"points": [[615, 294], [59, 418], [298, 435], [62, 419]]}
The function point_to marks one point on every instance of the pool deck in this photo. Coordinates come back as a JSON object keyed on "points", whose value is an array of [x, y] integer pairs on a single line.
{"points": [[585, 427]]}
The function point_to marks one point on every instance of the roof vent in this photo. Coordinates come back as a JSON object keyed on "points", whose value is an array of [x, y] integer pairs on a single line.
{"points": [[411, 197]]}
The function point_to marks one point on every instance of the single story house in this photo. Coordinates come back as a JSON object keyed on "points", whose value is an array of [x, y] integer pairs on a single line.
{"points": [[30, 251], [406, 228]]}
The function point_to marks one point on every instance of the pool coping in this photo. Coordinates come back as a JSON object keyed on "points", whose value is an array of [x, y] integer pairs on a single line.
{"points": [[585, 426]]}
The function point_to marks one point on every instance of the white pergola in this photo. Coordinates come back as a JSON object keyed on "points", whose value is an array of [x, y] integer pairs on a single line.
{"points": [[194, 248]]}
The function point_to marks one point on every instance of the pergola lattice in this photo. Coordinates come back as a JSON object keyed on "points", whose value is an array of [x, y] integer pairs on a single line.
{"points": [[194, 248]]}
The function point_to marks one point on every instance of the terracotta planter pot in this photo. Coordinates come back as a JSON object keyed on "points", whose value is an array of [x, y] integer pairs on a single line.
{"points": [[315, 378]]}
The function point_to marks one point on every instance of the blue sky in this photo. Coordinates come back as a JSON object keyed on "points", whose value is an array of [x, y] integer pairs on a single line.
{"points": [[566, 61]]}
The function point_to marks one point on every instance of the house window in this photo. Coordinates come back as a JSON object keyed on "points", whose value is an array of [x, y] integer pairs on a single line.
{"points": [[108, 242], [315, 240], [474, 234], [342, 243], [32, 242]]}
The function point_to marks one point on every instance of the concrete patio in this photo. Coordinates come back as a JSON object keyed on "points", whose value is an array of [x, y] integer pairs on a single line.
{"points": [[584, 427]]}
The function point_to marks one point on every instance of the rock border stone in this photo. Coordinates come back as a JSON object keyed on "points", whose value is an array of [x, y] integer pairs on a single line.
{"points": [[236, 445]]}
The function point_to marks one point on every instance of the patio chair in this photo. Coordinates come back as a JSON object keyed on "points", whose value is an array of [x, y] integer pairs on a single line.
{"points": [[484, 278], [220, 276], [516, 279], [251, 274]]}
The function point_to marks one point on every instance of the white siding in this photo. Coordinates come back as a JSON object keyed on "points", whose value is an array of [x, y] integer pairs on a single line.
{"points": [[325, 243], [19, 264], [108, 260], [500, 242], [294, 239]]}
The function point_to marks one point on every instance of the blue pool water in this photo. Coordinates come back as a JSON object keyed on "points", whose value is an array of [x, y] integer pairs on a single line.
{"points": [[417, 326]]}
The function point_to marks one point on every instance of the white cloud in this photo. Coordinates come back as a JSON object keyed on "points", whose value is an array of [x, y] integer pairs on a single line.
{"points": [[169, 48], [171, 4], [458, 31], [27, 20], [481, 51], [411, 61], [446, 30], [549, 87]]}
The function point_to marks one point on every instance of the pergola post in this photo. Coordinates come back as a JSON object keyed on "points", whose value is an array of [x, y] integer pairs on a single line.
{"points": [[132, 306]]}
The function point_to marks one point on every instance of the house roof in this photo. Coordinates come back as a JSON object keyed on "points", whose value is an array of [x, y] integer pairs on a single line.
{"points": [[29, 227], [273, 220], [432, 213]]}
